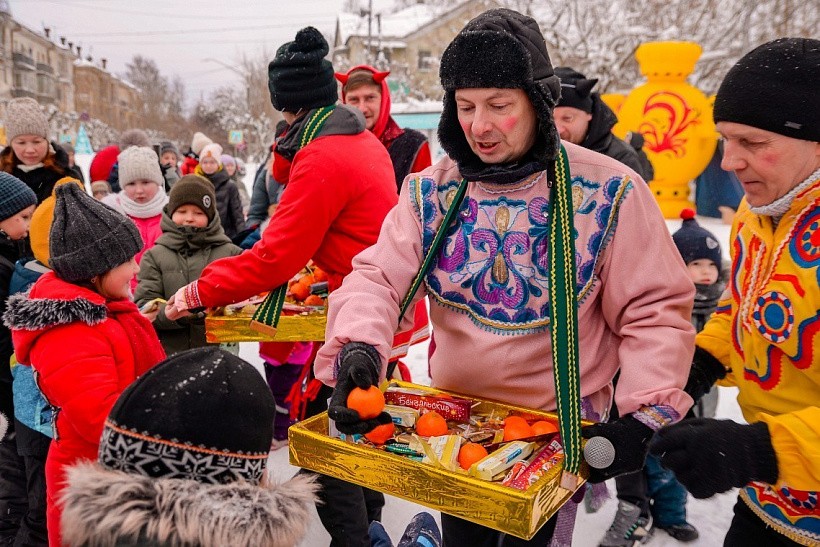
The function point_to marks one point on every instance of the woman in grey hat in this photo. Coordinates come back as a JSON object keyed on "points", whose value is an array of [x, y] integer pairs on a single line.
{"points": [[30, 156]]}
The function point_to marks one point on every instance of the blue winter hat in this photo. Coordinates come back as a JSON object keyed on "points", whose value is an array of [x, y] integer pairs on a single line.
{"points": [[695, 242], [15, 195]]}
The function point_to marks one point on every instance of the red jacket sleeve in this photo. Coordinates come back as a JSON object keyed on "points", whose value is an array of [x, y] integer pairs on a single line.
{"points": [[309, 204]]}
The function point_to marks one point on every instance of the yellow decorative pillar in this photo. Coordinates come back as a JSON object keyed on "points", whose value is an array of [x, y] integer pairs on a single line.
{"points": [[675, 119]]}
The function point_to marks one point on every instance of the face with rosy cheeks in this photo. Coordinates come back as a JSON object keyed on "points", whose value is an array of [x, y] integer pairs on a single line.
{"points": [[16, 226], [703, 271], [767, 164], [499, 124], [572, 123], [29, 149], [141, 190], [230, 168], [116, 283], [368, 99], [209, 165], [190, 215]]}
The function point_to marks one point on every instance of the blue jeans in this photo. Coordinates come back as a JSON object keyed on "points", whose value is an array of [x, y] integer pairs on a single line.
{"points": [[667, 494]]}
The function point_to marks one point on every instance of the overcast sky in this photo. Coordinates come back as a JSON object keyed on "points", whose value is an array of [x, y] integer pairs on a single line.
{"points": [[178, 35]]}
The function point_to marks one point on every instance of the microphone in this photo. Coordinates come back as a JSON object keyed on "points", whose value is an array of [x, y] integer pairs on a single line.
{"points": [[599, 452]]}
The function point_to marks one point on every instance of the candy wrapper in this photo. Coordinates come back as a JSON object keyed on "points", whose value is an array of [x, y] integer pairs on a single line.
{"points": [[505, 508]]}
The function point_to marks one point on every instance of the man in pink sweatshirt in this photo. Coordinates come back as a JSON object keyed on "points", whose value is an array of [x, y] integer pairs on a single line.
{"points": [[488, 285]]}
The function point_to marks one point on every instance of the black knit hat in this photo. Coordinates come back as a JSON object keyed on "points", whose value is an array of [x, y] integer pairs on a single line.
{"points": [[576, 89], [499, 48], [695, 242], [774, 87], [88, 238], [193, 190], [300, 77], [15, 195], [202, 414]]}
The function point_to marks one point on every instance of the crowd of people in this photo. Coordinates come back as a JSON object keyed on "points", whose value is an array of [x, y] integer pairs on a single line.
{"points": [[115, 410]]}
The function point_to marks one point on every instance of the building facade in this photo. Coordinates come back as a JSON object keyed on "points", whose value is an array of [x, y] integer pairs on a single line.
{"points": [[103, 96], [54, 73], [408, 42]]}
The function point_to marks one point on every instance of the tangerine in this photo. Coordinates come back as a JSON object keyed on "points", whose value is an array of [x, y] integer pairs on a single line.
{"points": [[369, 402], [543, 427], [307, 279], [299, 291], [513, 429], [314, 300], [319, 275], [431, 424], [470, 453], [516, 420], [381, 433]]}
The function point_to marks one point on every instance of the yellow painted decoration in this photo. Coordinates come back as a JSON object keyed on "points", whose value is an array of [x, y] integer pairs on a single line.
{"points": [[675, 119], [613, 100]]}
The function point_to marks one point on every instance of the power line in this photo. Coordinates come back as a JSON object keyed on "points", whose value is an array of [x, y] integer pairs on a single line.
{"points": [[185, 16], [160, 14]]}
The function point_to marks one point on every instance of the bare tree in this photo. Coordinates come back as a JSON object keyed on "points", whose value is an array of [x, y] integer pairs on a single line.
{"points": [[161, 111], [600, 38]]}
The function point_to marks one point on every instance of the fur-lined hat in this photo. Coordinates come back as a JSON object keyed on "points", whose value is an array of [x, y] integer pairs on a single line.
{"points": [[499, 48]]}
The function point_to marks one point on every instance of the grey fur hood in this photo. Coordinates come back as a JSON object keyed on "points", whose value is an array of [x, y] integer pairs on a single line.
{"points": [[26, 313], [106, 508]]}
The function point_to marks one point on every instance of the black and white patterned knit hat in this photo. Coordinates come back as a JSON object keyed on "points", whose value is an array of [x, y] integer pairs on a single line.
{"points": [[202, 414]]}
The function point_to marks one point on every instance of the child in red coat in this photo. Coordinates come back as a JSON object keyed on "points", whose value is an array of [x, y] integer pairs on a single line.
{"points": [[85, 339]]}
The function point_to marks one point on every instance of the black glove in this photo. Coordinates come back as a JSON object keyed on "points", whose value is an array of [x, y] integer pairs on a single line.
{"points": [[359, 366], [629, 437], [705, 371], [711, 456]]}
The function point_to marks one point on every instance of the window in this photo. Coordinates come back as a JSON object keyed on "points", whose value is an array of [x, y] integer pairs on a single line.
{"points": [[425, 59]]}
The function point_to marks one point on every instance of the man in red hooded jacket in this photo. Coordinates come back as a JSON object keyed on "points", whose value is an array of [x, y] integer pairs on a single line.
{"points": [[366, 89]]}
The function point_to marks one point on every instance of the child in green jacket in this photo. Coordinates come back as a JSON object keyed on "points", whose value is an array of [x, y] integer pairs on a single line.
{"points": [[192, 237]]}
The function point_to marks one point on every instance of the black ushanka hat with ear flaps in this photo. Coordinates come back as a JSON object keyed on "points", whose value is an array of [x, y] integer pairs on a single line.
{"points": [[499, 48]]}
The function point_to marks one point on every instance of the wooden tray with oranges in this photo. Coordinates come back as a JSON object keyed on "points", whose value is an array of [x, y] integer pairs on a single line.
{"points": [[445, 478]]}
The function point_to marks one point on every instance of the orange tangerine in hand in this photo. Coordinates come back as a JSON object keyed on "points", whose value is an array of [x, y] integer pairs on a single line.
{"points": [[469, 454], [513, 429], [369, 402], [431, 424], [381, 433], [543, 427]]}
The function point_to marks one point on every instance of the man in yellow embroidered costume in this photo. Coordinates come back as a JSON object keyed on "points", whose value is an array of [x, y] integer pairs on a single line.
{"points": [[765, 335]]}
